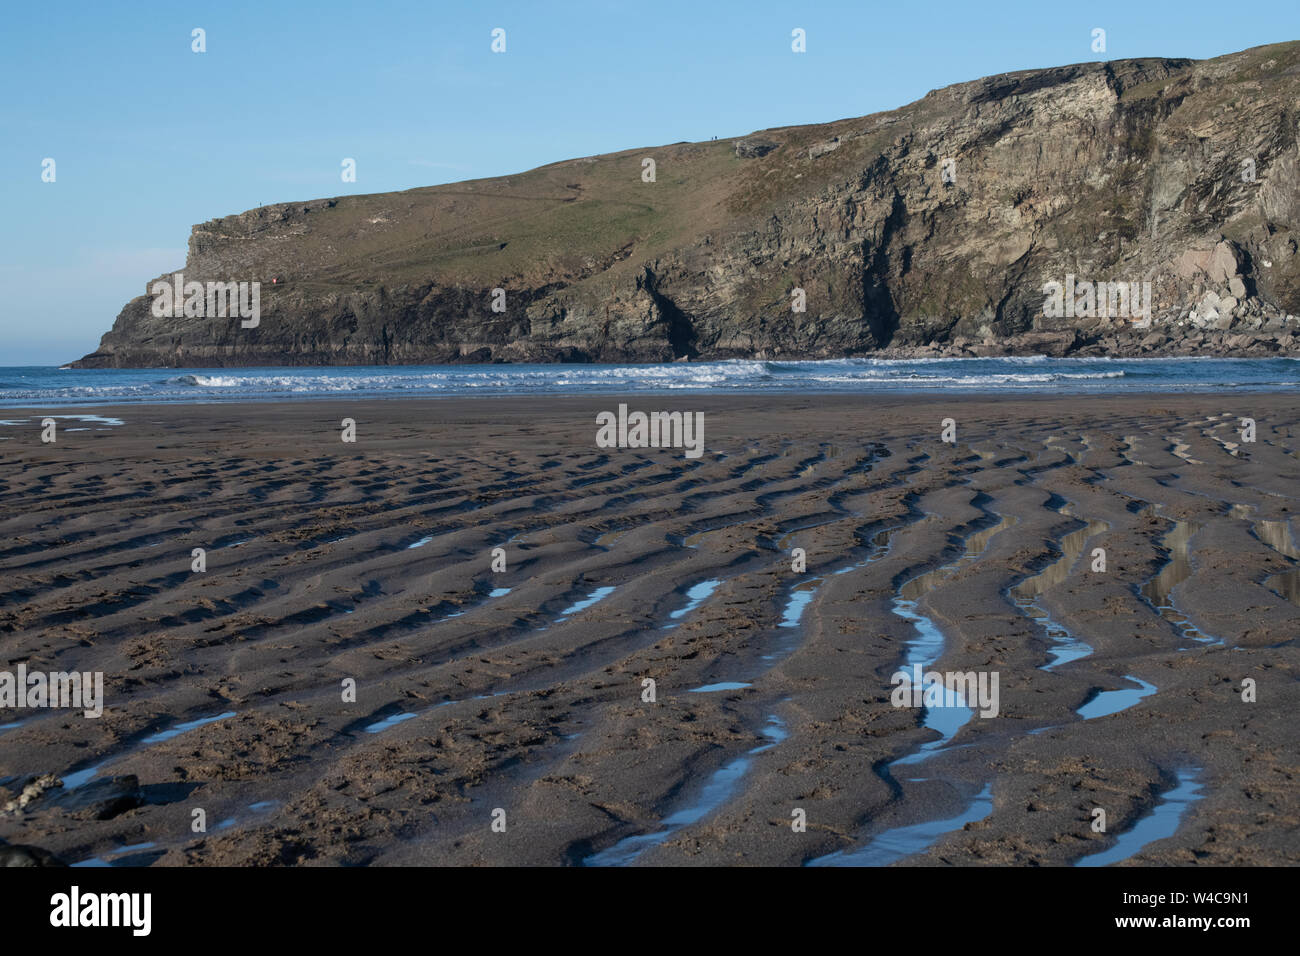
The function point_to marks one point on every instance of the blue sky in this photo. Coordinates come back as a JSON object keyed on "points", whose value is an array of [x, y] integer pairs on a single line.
{"points": [[150, 138]]}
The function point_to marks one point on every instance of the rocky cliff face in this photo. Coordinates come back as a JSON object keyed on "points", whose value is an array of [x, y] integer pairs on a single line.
{"points": [[932, 229]]}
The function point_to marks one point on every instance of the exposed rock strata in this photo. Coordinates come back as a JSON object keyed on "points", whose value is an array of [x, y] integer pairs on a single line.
{"points": [[1179, 173]]}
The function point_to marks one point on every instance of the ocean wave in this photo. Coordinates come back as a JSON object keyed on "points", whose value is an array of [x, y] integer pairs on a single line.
{"points": [[28, 386]]}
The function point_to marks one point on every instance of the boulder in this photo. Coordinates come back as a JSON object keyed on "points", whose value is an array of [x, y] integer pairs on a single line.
{"points": [[821, 149], [33, 789], [754, 148], [100, 799], [17, 854], [1223, 263]]}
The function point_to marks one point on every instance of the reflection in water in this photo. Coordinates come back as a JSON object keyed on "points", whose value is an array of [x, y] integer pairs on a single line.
{"points": [[901, 842], [101, 862], [722, 685], [975, 546], [717, 791], [1287, 584], [1277, 535], [1159, 590], [73, 780], [1025, 594], [696, 596], [801, 594], [596, 595], [926, 648], [182, 728], [1113, 701], [387, 722], [1160, 824], [800, 597]]}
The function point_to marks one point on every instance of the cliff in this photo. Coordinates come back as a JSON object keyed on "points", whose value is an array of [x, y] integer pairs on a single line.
{"points": [[931, 229]]}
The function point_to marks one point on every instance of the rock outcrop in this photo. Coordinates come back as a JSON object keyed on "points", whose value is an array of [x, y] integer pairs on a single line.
{"points": [[934, 229]]}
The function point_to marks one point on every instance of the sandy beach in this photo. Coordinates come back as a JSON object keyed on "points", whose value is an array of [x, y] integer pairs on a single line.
{"points": [[522, 690]]}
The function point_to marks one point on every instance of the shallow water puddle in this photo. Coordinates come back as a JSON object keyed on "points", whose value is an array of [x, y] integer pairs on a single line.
{"points": [[1067, 647], [1277, 535], [1159, 590], [1181, 448], [1160, 824], [260, 807], [402, 716], [800, 597], [421, 543], [1113, 701], [774, 731], [717, 791], [494, 593], [597, 595], [927, 647], [93, 419], [100, 861], [722, 685], [387, 722], [894, 845], [73, 780], [1130, 446], [801, 594], [695, 596], [719, 787], [923, 651], [976, 544], [701, 592], [182, 728], [1287, 585]]}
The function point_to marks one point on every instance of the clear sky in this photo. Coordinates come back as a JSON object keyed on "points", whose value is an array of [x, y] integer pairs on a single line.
{"points": [[149, 137]]}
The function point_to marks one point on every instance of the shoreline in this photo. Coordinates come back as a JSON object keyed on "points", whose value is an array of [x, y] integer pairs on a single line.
{"points": [[1285, 343], [1030, 377], [522, 689]]}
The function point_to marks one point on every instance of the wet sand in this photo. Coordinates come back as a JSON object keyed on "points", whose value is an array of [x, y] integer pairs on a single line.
{"points": [[522, 690]]}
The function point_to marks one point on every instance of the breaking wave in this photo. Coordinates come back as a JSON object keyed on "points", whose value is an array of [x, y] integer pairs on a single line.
{"points": [[20, 386]]}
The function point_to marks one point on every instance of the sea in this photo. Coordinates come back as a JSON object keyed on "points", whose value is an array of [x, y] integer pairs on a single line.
{"points": [[53, 387]]}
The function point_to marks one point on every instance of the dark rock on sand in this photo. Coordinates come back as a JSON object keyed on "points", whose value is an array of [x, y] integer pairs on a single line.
{"points": [[19, 855], [100, 799], [754, 148]]}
